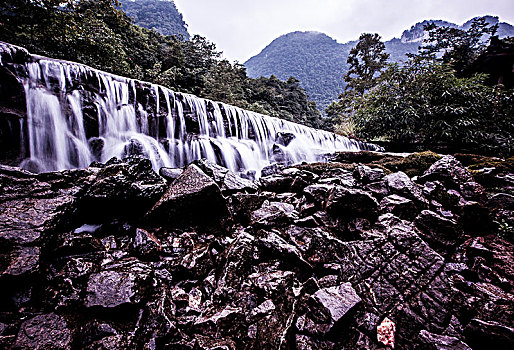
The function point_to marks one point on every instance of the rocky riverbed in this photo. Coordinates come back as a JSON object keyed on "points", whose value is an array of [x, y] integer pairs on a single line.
{"points": [[368, 251]]}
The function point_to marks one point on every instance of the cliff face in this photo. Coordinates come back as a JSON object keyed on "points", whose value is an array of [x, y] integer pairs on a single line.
{"points": [[317, 256]]}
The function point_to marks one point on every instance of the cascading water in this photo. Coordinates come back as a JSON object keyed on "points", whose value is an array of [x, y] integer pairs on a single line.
{"points": [[77, 115]]}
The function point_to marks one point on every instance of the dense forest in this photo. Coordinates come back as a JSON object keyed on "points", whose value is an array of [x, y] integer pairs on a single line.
{"points": [[99, 34], [160, 15], [456, 92]]}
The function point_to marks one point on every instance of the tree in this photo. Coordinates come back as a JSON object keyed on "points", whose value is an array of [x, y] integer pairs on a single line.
{"points": [[455, 46], [424, 102], [366, 61]]}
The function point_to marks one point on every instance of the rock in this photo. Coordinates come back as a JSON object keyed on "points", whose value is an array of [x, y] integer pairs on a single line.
{"points": [[243, 205], [22, 260], [367, 175], [146, 244], [285, 138], [503, 201], [110, 288], [122, 189], [338, 300], [448, 171], [399, 183], [275, 214], [402, 207], [489, 335], [48, 331], [386, 332], [193, 199], [228, 181], [432, 341], [443, 233], [170, 174], [276, 183], [345, 202]]}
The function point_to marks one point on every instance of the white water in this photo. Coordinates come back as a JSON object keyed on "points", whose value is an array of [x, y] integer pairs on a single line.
{"points": [[56, 92]]}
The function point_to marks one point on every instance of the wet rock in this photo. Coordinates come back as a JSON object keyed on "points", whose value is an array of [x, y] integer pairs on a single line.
{"points": [[345, 202], [501, 201], [243, 205], [122, 189], [146, 244], [489, 335], [22, 260], [275, 214], [366, 175], [327, 307], [402, 207], [192, 194], [276, 183], [111, 288], [449, 171], [285, 138], [432, 341], [399, 183], [170, 174], [48, 331], [443, 233]]}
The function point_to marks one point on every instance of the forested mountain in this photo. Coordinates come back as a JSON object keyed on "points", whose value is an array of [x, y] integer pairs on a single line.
{"points": [[161, 15], [319, 61]]}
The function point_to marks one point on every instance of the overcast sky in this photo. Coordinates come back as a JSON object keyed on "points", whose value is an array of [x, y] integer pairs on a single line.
{"points": [[242, 28]]}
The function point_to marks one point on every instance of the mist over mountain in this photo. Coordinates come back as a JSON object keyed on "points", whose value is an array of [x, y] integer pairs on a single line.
{"points": [[161, 15], [319, 61]]}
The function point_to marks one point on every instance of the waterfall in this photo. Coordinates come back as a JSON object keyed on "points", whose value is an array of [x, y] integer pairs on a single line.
{"points": [[77, 115]]}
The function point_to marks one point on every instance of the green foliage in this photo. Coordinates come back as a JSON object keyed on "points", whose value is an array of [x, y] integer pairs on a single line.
{"points": [[458, 47], [424, 102], [98, 33], [366, 60]]}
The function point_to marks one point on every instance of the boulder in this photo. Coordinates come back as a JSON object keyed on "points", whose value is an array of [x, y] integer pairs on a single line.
{"points": [[431, 341], [449, 171], [399, 183], [402, 207], [193, 199], [346, 202], [49, 331]]}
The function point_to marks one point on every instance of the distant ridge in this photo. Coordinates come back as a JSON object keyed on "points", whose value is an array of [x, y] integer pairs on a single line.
{"points": [[319, 61], [161, 15]]}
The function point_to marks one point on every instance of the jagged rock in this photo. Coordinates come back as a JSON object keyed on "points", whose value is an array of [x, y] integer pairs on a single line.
{"points": [[346, 202], [192, 195], [112, 288], [122, 189], [366, 175], [402, 207], [285, 138], [433, 341], [276, 183], [449, 171], [146, 244], [22, 260], [442, 232], [326, 308], [228, 181], [489, 335], [399, 183], [501, 201], [274, 214], [276, 245], [48, 331], [243, 205], [170, 174]]}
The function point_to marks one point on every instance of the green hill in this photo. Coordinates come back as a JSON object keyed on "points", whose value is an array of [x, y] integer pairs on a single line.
{"points": [[161, 15]]}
